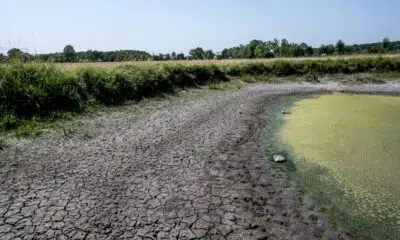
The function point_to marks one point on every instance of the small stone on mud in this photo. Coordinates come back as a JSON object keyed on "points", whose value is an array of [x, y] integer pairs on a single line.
{"points": [[285, 112], [279, 158]]}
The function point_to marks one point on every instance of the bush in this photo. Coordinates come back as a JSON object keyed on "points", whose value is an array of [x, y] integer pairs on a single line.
{"points": [[317, 66], [8, 121], [32, 89]]}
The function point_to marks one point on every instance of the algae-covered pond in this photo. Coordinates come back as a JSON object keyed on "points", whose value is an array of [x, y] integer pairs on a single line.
{"points": [[346, 149]]}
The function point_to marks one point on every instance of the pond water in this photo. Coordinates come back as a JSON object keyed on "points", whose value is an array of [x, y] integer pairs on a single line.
{"points": [[346, 149]]}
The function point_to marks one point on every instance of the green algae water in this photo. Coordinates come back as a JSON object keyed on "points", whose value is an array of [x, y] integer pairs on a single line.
{"points": [[346, 149]]}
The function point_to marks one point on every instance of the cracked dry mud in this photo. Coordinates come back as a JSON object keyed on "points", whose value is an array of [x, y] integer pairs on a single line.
{"points": [[194, 170]]}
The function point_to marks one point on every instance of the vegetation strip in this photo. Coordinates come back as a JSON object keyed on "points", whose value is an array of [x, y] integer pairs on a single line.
{"points": [[39, 90]]}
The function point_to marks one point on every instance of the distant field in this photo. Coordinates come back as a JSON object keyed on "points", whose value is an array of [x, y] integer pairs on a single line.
{"points": [[218, 62], [346, 149]]}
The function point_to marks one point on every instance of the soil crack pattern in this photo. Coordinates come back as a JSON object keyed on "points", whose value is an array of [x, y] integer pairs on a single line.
{"points": [[190, 171]]}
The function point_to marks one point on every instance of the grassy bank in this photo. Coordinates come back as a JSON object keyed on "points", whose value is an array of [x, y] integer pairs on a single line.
{"points": [[34, 90], [345, 152], [31, 91]]}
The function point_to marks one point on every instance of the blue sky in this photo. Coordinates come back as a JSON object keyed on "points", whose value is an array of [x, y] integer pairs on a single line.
{"points": [[178, 25]]}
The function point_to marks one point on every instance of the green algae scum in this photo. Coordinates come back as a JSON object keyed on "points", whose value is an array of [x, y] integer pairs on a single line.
{"points": [[346, 149]]}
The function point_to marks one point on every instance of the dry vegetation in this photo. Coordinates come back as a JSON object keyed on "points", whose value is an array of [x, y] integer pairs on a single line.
{"points": [[224, 62]]}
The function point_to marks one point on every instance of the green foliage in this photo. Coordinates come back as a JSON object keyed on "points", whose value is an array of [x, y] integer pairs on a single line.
{"points": [[33, 89], [386, 44], [209, 54], [173, 55], [180, 56], [326, 49], [376, 49], [41, 90], [30, 90], [254, 49], [331, 66], [69, 54], [197, 53], [340, 47], [3, 58], [15, 53], [8, 121]]}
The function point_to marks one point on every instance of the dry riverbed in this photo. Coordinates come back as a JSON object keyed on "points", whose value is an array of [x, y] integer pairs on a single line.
{"points": [[181, 170]]}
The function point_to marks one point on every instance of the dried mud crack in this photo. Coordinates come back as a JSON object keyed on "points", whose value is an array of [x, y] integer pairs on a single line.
{"points": [[191, 171]]}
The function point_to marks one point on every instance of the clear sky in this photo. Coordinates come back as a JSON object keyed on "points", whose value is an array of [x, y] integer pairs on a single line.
{"points": [[40, 26]]}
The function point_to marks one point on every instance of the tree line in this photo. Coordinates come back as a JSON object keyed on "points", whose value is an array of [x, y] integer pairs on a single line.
{"points": [[254, 49]]}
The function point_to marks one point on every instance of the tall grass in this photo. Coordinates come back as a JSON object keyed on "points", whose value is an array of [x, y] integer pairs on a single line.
{"points": [[330, 66], [30, 90], [37, 90]]}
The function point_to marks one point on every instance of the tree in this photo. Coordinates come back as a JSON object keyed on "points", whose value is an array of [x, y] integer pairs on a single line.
{"points": [[386, 44], [322, 49], [376, 49], [15, 53], [197, 53], [298, 50], [3, 58], [286, 50], [330, 49], [251, 47], [209, 54], [69, 53], [173, 56], [218, 56], [340, 47], [274, 45], [309, 51], [248, 51], [180, 56], [261, 51], [225, 54], [26, 57], [327, 49]]}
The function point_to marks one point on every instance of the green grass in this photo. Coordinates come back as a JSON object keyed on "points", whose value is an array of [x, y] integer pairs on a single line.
{"points": [[29, 91], [346, 156]]}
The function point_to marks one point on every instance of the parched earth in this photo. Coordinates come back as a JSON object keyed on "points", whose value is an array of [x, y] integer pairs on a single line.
{"points": [[194, 170]]}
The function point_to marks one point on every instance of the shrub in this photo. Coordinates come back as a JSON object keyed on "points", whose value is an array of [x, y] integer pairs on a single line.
{"points": [[8, 121], [32, 89]]}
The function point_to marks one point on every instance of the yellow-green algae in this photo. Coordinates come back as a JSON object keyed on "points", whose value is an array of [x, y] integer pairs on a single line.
{"points": [[356, 139]]}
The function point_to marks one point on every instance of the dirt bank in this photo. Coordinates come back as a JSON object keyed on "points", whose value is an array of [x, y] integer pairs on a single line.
{"points": [[190, 170]]}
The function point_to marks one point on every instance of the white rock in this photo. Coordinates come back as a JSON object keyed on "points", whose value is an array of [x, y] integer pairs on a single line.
{"points": [[279, 158]]}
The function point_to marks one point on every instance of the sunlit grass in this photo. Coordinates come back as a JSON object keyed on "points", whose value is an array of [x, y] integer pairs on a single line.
{"points": [[355, 139], [223, 62]]}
